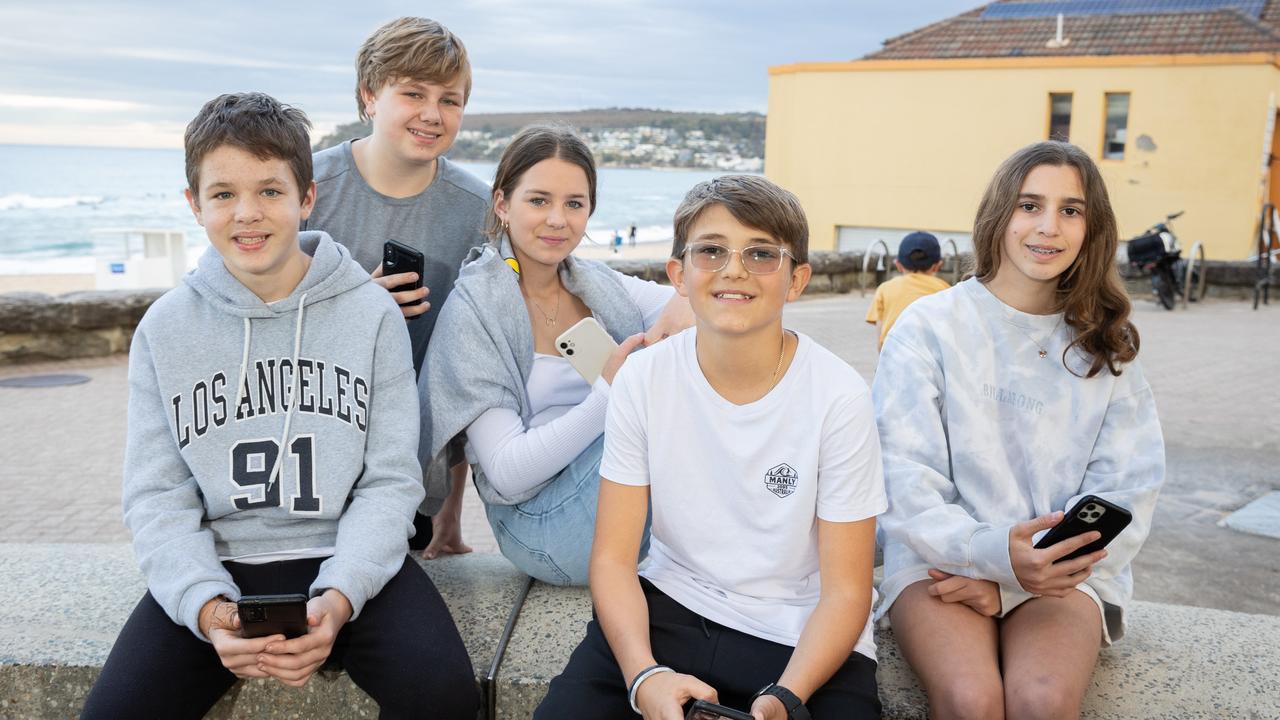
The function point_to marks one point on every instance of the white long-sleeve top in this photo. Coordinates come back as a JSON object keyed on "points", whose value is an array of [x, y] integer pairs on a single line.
{"points": [[568, 414], [980, 433]]}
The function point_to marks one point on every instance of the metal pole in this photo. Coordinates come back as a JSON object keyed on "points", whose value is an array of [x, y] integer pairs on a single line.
{"points": [[489, 686], [1197, 250], [866, 260]]}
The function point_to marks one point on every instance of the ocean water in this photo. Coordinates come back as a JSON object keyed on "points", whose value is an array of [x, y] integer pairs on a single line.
{"points": [[55, 203]]}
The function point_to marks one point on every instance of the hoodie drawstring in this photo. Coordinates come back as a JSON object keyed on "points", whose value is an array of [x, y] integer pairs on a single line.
{"points": [[244, 364], [293, 391]]}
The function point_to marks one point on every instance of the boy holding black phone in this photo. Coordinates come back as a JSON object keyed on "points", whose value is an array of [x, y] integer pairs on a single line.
{"points": [[413, 80], [272, 450]]}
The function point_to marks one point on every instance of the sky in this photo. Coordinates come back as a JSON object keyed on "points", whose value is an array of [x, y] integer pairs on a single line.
{"points": [[131, 73]]}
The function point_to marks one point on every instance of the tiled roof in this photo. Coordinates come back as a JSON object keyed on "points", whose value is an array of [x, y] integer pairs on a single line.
{"points": [[969, 35]]}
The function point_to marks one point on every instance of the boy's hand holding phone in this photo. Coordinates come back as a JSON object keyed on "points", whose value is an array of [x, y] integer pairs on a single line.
{"points": [[220, 622], [293, 662], [662, 696], [1037, 569], [411, 302]]}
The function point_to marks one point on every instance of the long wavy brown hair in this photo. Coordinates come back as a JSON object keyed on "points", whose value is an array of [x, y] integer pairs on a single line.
{"points": [[1090, 296]]}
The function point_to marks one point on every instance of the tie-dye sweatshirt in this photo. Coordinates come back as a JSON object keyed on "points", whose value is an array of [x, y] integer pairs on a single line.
{"points": [[979, 433]]}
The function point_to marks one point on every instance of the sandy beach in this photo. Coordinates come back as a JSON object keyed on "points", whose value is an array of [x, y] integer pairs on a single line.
{"points": [[641, 251], [47, 284]]}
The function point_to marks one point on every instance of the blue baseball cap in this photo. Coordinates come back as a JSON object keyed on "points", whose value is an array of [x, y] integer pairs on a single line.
{"points": [[919, 251]]}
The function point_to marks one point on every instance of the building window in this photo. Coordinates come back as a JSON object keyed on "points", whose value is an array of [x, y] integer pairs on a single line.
{"points": [[1116, 129], [1060, 116]]}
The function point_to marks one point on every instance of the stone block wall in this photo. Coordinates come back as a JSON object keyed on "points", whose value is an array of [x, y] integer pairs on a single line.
{"points": [[35, 326]]}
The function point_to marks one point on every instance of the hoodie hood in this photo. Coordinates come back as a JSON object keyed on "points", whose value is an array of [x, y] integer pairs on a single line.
{"points": [[332, 272]]}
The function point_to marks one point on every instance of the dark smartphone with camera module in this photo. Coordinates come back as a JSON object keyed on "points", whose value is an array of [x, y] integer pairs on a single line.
{"points": [[1090, 513], [400, 258], [262, 615], [703, 710]]}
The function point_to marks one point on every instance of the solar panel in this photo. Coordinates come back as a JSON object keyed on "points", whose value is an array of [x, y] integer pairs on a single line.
{"points": [[1012, 10]]}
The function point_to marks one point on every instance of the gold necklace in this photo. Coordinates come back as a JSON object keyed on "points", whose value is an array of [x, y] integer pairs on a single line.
{"points": [[782, 352], [551, 319]]}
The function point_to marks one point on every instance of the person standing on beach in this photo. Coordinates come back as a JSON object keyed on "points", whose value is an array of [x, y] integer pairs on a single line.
{"points": [[632, 234], [413, 80]]}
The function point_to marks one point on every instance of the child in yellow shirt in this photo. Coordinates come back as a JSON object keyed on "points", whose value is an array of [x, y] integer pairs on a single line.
{"points": [[919, 259]]}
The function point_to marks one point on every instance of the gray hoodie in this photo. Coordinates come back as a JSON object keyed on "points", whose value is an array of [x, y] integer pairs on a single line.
{"points": [[213, 372]]}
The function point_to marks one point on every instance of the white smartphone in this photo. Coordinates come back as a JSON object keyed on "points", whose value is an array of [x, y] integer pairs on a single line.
{"points": [[586, 346]]}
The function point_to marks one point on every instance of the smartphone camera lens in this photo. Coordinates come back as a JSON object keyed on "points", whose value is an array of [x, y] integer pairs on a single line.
{"points": [[564, 345], [254, 614], [568, 352], [1091, 513]]}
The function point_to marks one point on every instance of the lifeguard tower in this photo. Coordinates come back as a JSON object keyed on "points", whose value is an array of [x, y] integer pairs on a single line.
{"points": [[149, 258]]}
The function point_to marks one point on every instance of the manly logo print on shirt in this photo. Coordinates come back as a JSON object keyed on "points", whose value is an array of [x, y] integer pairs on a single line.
{"points": [[781, 480]]}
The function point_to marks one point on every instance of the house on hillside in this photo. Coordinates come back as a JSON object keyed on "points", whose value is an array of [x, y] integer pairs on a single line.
{"points": [[1175, 99]]}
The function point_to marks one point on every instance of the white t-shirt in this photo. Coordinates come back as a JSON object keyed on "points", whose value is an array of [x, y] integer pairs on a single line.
{"points": [[736, 490]]}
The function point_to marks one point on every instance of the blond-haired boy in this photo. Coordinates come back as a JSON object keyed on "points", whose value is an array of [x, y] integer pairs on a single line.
{"points": [[413, 80]]}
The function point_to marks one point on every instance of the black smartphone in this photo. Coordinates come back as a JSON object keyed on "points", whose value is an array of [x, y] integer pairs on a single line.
{"points": [[262, 615], [703, 710], [400, 258], [1091, 513]]}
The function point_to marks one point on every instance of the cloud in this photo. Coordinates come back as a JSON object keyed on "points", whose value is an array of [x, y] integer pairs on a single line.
{"points": [[180, 55], [129, 134], [48, 102]]}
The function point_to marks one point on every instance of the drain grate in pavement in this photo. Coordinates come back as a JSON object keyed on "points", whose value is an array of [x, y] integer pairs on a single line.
{"points": [[43, 381], [1260, 517]]}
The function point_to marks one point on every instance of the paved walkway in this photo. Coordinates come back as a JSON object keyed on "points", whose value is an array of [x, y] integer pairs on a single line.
{"points": [[1214, 369]]}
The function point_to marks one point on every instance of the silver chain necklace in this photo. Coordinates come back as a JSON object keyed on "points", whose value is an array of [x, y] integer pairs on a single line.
{"points": [[1044, 351]]}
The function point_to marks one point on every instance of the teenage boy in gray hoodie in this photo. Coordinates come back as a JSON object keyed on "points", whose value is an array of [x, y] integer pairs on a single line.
{"points": [[273, 428]]}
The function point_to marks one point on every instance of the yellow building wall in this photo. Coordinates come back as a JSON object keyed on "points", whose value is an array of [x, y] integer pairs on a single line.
{"points": [[914, 143]]}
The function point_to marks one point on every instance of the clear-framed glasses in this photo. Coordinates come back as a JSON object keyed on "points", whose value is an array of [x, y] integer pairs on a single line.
{"points": [[757, 259]]}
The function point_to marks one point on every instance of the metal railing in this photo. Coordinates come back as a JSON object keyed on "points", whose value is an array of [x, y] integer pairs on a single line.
{"points": [[866, 261], [1195, 257], [955, 259], [1268, 241]]}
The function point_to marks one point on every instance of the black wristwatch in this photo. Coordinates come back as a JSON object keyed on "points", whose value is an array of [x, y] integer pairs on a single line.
{"points": [[795, 709]]}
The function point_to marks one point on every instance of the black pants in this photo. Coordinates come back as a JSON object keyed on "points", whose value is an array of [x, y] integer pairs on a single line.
{"points": [[403, 650], [734, 663]]}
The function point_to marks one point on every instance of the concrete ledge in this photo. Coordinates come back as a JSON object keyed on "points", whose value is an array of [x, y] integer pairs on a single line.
{"points": [[1176, 662], [61, 607]]}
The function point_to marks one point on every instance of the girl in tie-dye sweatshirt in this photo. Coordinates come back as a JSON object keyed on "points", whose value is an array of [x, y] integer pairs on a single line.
{"points": [[1001, 402]]}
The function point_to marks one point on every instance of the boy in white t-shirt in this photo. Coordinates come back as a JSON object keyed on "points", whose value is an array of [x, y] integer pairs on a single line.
{"points": [[758, 451]]}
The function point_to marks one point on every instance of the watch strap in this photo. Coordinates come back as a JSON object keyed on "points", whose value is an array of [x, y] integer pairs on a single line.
{"points": [[795, 709]]}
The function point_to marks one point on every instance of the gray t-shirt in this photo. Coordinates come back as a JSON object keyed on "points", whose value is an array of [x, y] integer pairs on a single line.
{"points": [[442, 222]]}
